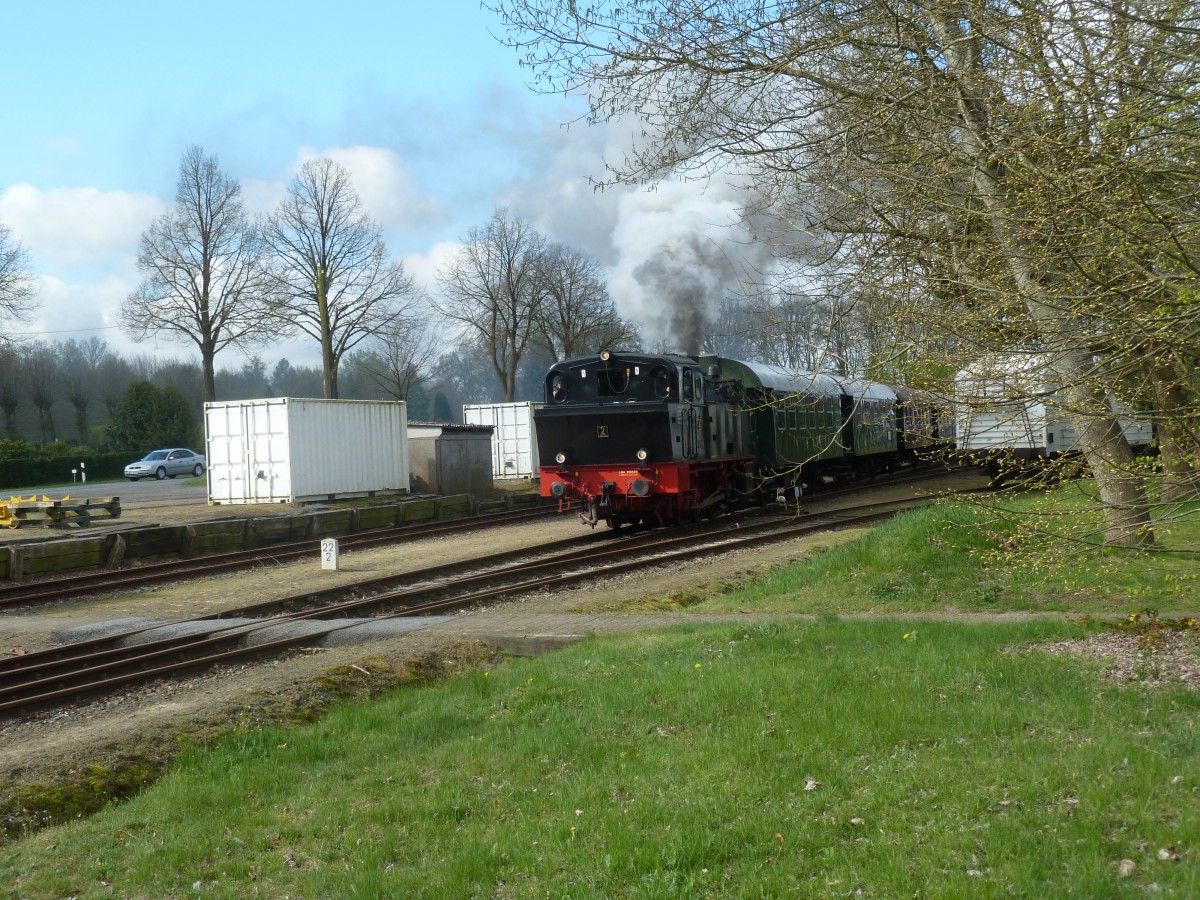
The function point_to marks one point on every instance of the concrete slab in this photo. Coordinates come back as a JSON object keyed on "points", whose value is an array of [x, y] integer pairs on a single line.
{"points": [[346, 632], [107, 628]]}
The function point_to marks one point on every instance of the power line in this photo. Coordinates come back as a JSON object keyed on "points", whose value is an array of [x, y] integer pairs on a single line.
{"points": [[21, 334]]}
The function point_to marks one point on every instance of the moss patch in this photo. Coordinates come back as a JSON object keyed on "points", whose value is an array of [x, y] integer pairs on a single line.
{"points": [[74, 794]]}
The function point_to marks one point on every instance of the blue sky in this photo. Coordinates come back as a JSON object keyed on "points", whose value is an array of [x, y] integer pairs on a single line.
{"points": [[431, 114]]}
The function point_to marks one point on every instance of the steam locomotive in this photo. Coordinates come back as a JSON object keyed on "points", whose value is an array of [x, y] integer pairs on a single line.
{"points": [[661, 439]]}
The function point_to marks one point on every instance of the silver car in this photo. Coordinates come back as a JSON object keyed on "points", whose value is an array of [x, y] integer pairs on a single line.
{"points": [[168, 463]]}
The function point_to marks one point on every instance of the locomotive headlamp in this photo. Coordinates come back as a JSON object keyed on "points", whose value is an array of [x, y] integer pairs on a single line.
{"points": [[643, 454], [605, 355], [560, 458]]}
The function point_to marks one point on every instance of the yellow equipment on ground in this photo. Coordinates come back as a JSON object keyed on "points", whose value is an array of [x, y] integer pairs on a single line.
{"points": [[60, 513]]}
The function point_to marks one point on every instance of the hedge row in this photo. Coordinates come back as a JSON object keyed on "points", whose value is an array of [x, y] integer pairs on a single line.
{"points": [[18, 473]]}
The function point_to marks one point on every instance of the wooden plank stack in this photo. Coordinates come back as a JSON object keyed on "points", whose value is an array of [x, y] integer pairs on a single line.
{"points": [[61, 513]]}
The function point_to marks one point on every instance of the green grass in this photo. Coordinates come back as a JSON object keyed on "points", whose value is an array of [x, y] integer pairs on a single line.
{"points": [[886, 757], [800, 759], [983, 558]]}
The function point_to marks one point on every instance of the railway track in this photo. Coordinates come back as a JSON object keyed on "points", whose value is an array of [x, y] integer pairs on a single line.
{"points": [[51, 590], [66, 674], [60, 589]]}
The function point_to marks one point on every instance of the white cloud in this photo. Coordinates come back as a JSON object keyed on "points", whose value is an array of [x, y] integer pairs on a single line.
{"points": [[78, 226], [559, 196], [261, 197], [674, 250], [424, 266], [81, 311]]}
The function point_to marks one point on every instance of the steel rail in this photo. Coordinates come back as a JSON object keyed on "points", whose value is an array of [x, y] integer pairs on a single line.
{"points": [[51, 671], [47, 683], [74, 586]]}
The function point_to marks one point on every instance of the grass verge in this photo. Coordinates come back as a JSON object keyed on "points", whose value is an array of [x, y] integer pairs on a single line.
{"points": [[995, 556], [822, 758]]}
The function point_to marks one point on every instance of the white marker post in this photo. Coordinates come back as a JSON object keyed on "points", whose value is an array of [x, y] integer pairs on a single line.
{"points": [[329, 554], [83, 472]]}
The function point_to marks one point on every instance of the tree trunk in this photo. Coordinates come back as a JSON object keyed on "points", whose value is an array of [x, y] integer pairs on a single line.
{"points": [[81, 424], [1122, 490], [209, 375], [1122, 493], [328, 361], [1178, 448], [10, 422], [46, 424]]}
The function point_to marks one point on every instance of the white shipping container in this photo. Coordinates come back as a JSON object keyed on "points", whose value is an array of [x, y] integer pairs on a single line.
{"points": [[999, 408], [514, 442], [288, 450]]}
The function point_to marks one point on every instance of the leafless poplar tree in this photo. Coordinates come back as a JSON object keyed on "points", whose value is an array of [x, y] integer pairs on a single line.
{"points": [[79, 367], [494, 289], [40, 364], [1009, 176], [332, 277], [11, 377]]}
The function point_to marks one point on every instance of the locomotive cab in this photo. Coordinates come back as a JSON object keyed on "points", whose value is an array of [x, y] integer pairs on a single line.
{"points": [[610, 410], [635, 437], [608, 379]]}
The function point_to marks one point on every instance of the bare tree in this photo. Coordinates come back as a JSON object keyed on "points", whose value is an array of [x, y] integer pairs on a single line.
{"points": [[11, 378], [113, 375], [798, 331], [40, 362], [576, 314], [202, 269], [16, 279], [332, 275], [1011, 176], [460, 376], [79, 364], [400, 359], [494, 288]]}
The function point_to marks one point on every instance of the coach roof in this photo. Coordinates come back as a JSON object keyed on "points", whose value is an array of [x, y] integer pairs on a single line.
{"points": [[779, 379]]}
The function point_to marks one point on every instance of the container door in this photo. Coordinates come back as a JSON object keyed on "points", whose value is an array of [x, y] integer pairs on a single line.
{"points": [[514, 432], [225, 448], [508, 461], [267, 464]]}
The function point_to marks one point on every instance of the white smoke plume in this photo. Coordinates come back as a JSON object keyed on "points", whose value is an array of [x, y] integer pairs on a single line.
{"points": [[680, 248], [673, 251]]}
